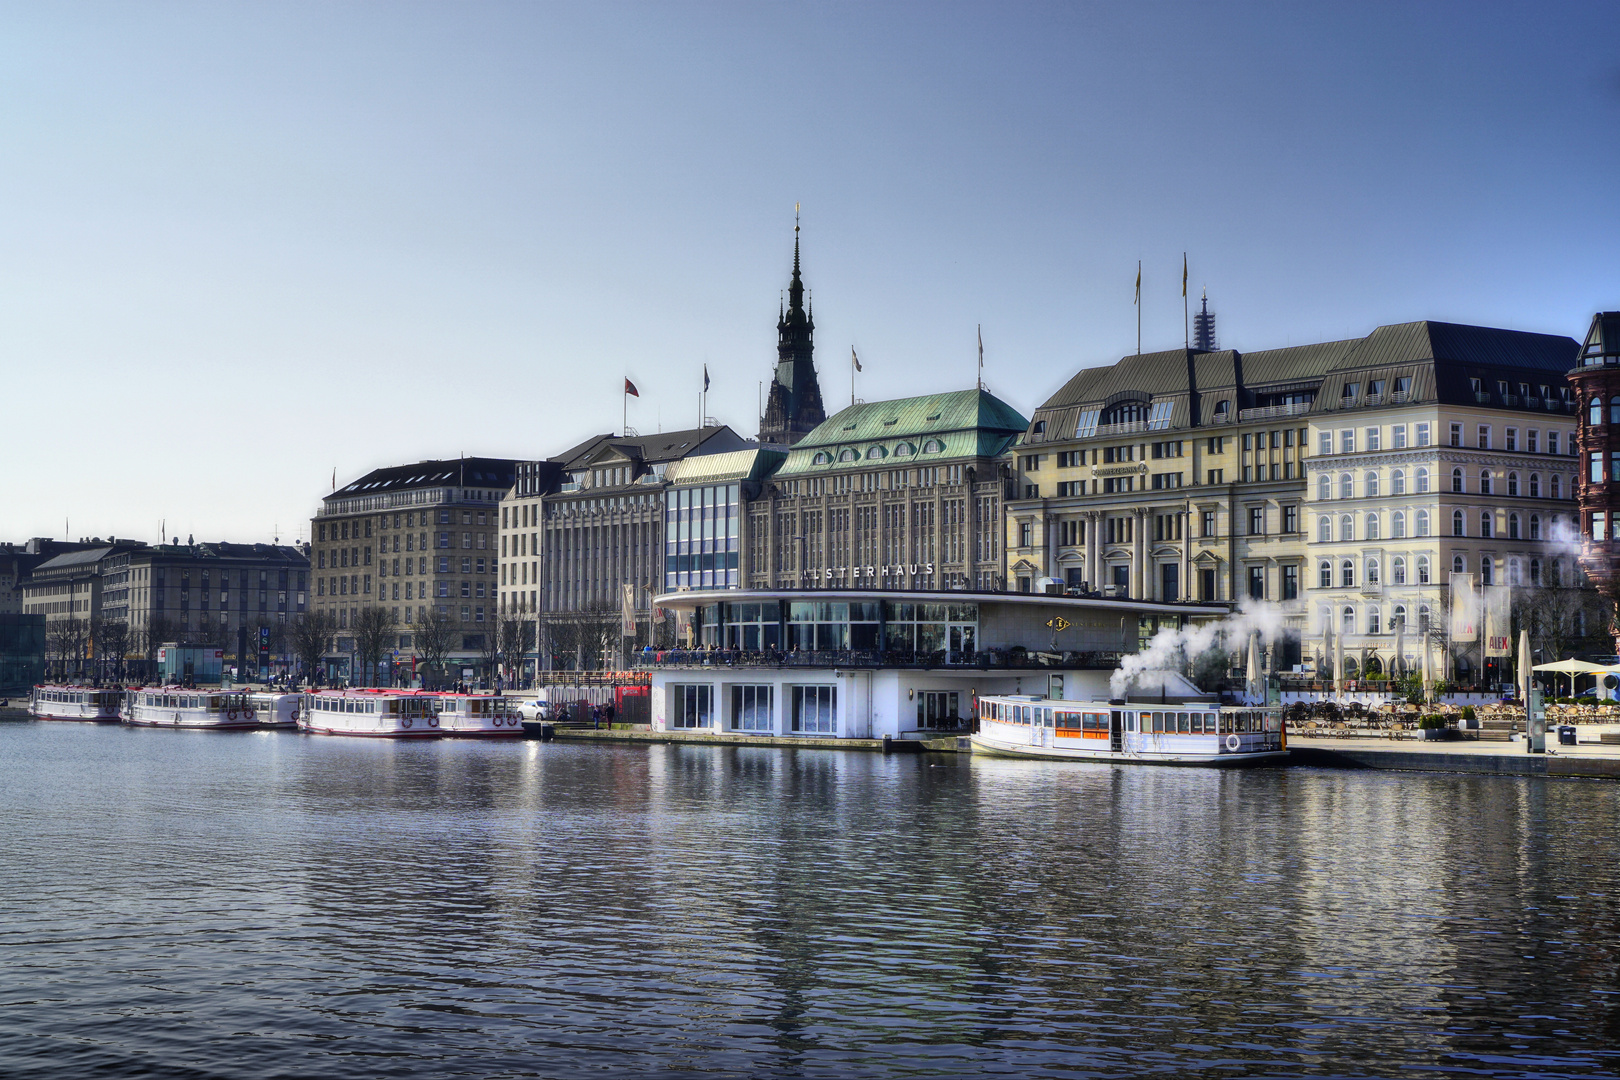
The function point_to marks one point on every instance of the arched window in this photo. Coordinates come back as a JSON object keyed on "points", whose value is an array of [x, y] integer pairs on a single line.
{"points": [[1484, 481], [1371, 481], [1535, 485], [821, 458], [1514, 577], [905, 449], [1422, 569], [1397, 482], [1456, 564], [875, 452], [1457, 523], [1555, 571], [1552, 487], [1594, 413], [1324, 574], [1347, 527], [1423, 481], [1513, 528], [1347, 574], [1400, 615], [1485, 524], [1397, 570], [1535, 571], [1513, 484], [1373, 577], [1347, 486], [849, 455], [1324, 529], [1324, 487], [1397, 525], [1487, 570], [1347, 623], [1423, 616], [933, 446], [1374, 623], [1422, 523], [1372, 526], [1535, 526], [1456, 480], [1126, 412]]}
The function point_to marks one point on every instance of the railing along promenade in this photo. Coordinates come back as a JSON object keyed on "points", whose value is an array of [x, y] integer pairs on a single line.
{"points": [[982, 660]]}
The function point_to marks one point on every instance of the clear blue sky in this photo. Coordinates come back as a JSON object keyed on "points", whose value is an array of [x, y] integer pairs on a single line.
{"points": [[242, 245]]}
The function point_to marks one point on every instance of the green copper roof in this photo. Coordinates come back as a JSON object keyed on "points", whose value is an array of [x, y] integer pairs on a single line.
{"points": [[965, 424]]}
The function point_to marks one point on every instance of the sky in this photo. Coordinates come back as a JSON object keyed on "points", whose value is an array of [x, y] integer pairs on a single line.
{"points": [[244, 247]]}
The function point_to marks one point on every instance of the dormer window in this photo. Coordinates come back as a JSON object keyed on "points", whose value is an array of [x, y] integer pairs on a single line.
{"points": [[876, 453], [904, 450], [933, 446], [1352, 391], [1087, 427], [1222, 408], [1375, 388], [821, 458], [848, 455], [1039, 428], [1403, 386]]}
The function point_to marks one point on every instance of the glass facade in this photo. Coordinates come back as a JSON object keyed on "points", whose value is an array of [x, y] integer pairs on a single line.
{"points": [[700, 537], [861, 625]]}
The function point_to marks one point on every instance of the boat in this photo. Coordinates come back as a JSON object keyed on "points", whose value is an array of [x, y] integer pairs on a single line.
{"points": [[478, 716], [90, 703], [172, 706], [1190, 733], [379, 713], [276, 710]]}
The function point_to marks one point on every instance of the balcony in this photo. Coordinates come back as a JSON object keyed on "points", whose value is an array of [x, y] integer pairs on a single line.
{"points": [[1482, 396], [1272, 412], [1130, 427], [988, 659]]}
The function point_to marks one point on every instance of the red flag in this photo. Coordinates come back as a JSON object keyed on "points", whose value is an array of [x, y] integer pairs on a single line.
{"points": [[630, 388]]}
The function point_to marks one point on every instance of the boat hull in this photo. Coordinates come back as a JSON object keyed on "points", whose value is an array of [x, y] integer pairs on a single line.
{"points": [[1002, 748], [432, 733]]}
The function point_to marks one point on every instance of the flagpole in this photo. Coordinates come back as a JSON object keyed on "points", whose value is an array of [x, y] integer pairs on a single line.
{"points": [[1138, 307], [1186, 324]]}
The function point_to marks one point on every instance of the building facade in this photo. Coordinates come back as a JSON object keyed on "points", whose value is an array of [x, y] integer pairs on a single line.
{"points": [[1595, 383], [903, 494], [414, 539]]}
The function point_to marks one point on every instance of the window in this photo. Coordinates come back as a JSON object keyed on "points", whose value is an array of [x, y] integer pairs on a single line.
{"points": [[1535, 485], [1598, 529], [1257, 521], [1422, 480], [1423, 434], [815, 709], [751, 708], [1487, 570], [1552, 487], [1485, 524], [1614, 409], [1374, 624], [1372, 526], [1372, 438], [1456, 480], [1513, 483], [1422, 523], [1397, 525], [1067, 459], [1372, 571], [1397, 482], [691, 705], [1347, 527], [1422, 569], [1347, 619], [1397, 434], [1512, 437], [1347, 441], [1347, 486], [1484, 481], [1290, 582], [1324, 529], [1535, 526], [1457, 564], [1216, 476], [1257, 583], [1535, 571], [1397, 570], [1457, 523], [1207, 522], [1324, 487], [1456, 434], [1484, 436], [1552, 442], [1290, 519], [1324, 574], [1530, 441], [1513, 526], [1347, 574], [1324, 443], [1370, 482]]}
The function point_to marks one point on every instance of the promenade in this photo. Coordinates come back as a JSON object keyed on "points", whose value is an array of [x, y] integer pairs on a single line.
{"points": [[1589, 760]]}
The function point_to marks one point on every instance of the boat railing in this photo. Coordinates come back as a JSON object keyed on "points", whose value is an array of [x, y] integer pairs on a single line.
{"points": [[985, 659]]}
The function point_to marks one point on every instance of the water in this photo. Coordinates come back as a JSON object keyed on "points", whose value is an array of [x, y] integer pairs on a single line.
{"points": [[195, 904]]}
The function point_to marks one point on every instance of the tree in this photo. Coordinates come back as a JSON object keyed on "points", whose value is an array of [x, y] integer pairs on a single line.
{"points": [[113, 645], [436, 635], [513, 637], [65, 643], [375, 629], [310, 635], [586, 637]]}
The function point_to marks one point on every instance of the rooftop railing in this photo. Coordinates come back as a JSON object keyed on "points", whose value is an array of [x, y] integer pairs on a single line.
{"points": [[1271, 412], [1127, 428], [984, 659]]}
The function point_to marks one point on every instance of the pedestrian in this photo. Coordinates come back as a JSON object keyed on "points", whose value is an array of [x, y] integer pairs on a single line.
{"points": [[596, 717]]}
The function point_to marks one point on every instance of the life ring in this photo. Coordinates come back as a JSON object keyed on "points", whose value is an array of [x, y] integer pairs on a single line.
{"points": [[229, 716], [295, 713], [405, 722], [1233, 742], [247, 714], [433, 721]]}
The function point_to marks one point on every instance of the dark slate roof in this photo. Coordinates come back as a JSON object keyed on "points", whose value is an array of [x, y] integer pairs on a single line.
{"points": [[651, 449], [74, 559], [455, 472]]}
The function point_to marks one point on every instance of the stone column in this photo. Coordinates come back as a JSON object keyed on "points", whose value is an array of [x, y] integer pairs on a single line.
{"points": [[1139, 573]]}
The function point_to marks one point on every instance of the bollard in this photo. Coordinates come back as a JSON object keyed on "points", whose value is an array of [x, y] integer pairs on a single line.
{"points": [[888, 745]]}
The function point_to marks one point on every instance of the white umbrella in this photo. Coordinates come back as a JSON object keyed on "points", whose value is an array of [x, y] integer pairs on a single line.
{"points": [[1571, 668], [1524, 669], [1338, 665], [1399, 665], [1428, 681], [1254, 665]]}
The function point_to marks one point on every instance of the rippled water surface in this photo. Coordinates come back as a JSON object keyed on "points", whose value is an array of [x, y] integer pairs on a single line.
{"points": [[197, 904]]}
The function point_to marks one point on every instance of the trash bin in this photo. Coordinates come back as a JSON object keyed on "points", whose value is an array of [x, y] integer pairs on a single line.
{"points": [[1566, 734]]}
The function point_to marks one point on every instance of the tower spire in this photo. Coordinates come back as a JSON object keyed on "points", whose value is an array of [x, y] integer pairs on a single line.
{"points": [[793, 406]]}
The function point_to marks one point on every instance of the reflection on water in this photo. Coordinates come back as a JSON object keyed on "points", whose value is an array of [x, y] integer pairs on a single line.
{"points": [[201, 904]]}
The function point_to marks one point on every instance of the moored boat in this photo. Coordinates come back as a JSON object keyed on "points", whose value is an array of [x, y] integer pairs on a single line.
{"points": [[395, 714], [1192, 733], [478, 716], [94, 704], [276, 710], [172, 706]]}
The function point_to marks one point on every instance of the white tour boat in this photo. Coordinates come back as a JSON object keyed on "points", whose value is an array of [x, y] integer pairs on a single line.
{"points": [[478, 716], [1183, 734], [75, 703], [395, 714], [172, 706], [276, 710]]}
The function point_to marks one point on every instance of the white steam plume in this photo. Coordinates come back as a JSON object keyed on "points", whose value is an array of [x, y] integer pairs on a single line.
{"points": [[1168, 647]]}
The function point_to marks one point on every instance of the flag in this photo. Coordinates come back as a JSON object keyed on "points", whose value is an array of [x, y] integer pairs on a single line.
{"points": [[705, 378], [981, 347], [630, 388], [334, 478], [1183, 276], [854, 359], [1138, 299]]}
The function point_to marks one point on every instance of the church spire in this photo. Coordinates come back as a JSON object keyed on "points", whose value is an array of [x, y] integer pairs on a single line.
{"points": [[794, 406]]}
